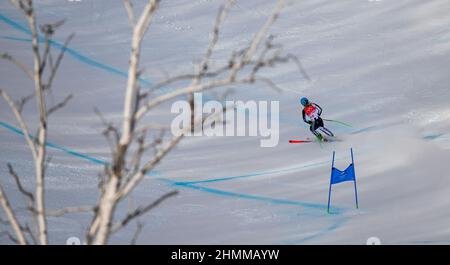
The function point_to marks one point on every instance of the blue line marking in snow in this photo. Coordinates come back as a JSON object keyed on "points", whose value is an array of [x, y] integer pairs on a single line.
{"points": [[55, 146], [432, 136], [70, 51], [65, 149], [252, 197], [15, 25], [364, 129], [220, 179], [15, 38], [322, 232], [254, 174]]}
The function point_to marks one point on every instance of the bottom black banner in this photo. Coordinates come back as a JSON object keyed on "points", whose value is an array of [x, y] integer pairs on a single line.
{"points": [[217, 254]]}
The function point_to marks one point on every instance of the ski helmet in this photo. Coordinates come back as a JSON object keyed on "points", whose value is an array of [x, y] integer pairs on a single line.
{"points": [[304, 101]]}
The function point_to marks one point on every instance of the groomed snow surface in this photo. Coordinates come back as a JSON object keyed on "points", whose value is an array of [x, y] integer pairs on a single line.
{"points": [[381, 66]]}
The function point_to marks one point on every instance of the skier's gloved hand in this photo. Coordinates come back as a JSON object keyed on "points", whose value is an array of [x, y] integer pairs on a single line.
{"points": [[309, 122]]}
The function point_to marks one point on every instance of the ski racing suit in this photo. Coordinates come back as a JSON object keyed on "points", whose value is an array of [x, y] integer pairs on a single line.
{"points": [[313, 112]]}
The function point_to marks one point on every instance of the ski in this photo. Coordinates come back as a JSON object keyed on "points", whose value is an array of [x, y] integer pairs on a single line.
{"points": [[300, 141], [331, 139], [309, 140]]}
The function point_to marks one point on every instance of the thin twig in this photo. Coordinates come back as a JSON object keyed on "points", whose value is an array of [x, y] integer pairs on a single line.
{"points": [[137, 233], [23, 101], [60, 105], [11, 237], [215, 37], [19, 185], [27, 230], [109, 128], [67, 210], [55, 67], [300, 66], [129, 8], [142, 210], [19, 64]]}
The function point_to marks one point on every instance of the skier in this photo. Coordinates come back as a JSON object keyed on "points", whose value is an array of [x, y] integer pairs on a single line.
{"points": [[313, 111]]}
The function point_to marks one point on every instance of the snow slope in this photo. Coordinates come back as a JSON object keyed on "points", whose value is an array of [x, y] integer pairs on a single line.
{"points": [[381, 66]]}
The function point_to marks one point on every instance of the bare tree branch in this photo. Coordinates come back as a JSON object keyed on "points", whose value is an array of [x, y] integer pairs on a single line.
{"points": [[67, 210], [183, 77], [60, 105], [100, 227], [136, 158], [39, 152], [245, 59], [137, 233], [129, 8], [142, 210], [19, 185], [23, 101], [55, 67], [28, 230], [125, 172], [132, 91], [300, 66], [48, 30], [168, 146], [19, 64], [203, 67], [28, 195], [109, 129], [24, 5], [262, 32], [129, 145], [215, 37], [269, 82], [11, 237], [133, 181], [37, 145], [21, 122], [4, 202], [151, 126]]}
